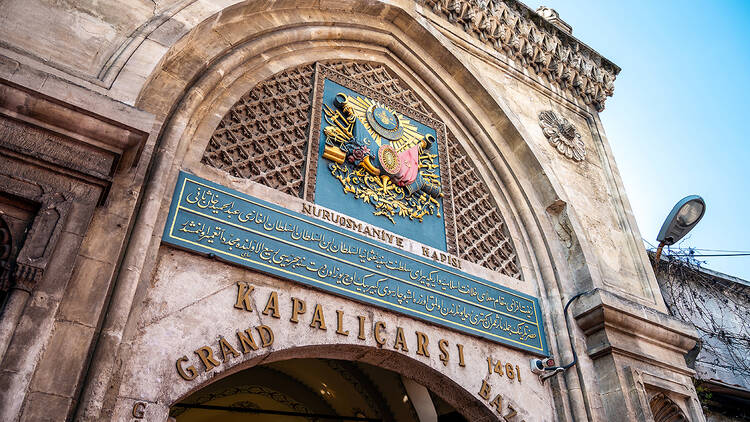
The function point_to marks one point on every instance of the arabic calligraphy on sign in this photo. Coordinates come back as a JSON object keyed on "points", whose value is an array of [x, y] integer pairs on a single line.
{"points": [[212, 219]]}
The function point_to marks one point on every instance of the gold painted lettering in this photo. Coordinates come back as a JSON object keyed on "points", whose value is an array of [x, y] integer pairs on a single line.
{"points": [[435, 256], [379, 327], [272, 306], [518, 374], [207, 357], [243, 296], [361, 335], [425, 252], [461, 362], [400, 242], [188, 373], [266, 335], [498, 368], [247, 341], [326, 215], [444, 355], [498, 403], [306, 209], [422, 342], [298, 307], [511, 413], [318, 319], [484, 392], [509, 371], [400, 340], [340, 323], [226, 347], [139, 410]]}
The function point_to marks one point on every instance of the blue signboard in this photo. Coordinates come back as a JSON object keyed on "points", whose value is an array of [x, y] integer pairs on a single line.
{"points": [[208, 218]]}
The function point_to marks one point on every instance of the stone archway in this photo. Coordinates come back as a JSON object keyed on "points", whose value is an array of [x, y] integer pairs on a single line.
{"points": [[326, 388], [193, 98]]}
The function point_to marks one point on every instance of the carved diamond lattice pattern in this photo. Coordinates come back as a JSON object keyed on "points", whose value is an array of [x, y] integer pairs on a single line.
{"points": [[377, 77], [482, 235], [264, 135]]}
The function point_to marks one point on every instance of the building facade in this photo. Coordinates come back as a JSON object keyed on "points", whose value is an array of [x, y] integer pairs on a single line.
{"points": [[717, 305], [361, 210]]}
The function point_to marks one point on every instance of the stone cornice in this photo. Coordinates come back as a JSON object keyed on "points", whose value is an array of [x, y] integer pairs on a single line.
{"points": [[613, 324], [534, 44]]}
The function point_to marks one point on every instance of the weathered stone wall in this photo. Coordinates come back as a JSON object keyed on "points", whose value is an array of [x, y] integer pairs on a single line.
{"points": [[185, 64], [717, 305]]}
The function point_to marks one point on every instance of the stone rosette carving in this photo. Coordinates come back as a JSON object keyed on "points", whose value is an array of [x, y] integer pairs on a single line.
{"points": [[563, 135], [535, 44]]}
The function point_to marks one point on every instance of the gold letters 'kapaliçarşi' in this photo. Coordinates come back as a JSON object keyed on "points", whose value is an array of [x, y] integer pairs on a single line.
{"points": [[381, 158]]}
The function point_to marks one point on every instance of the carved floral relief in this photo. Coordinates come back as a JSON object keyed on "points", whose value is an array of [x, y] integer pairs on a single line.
{"points": [[562, 135]]}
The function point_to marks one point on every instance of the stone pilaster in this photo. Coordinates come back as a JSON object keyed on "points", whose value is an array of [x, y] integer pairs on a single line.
{"points": [[638, 353]]}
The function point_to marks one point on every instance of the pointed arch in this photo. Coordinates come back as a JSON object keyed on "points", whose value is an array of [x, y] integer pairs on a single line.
{"points": [[665, 410]]}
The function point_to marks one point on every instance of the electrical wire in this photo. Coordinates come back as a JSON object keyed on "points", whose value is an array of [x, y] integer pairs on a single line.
{"points": [[680, 251], [720, 250], [572, 343], [708, 255]]}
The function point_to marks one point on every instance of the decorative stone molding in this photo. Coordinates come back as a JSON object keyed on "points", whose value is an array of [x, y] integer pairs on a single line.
{"points": [[554, 18], [263, 137], [482, 233], [562, 135], [41, 240], [659, 396], [54, 154], [612, 325], [40, 129], [534, 44]]}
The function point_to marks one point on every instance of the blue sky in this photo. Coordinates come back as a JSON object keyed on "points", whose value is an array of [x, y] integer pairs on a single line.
{"points": [[679, 120]]}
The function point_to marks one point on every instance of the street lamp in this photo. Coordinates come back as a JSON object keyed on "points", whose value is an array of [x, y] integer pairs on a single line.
{"points": [[683, 217]]}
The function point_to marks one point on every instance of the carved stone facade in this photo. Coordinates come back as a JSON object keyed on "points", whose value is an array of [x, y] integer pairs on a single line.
{"points": [[535, 44], [263, 138], [482, 234], [104, 106], [666, 410]]}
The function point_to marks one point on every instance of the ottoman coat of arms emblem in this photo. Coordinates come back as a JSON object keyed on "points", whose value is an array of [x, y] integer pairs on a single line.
{"points": [[382, 158]]}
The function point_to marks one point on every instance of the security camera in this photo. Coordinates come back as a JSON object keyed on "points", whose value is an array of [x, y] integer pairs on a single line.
{"points": [[540, 366]]}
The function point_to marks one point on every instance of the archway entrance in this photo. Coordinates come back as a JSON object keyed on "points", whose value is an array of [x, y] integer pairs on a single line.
{"points": [[315, 390]]}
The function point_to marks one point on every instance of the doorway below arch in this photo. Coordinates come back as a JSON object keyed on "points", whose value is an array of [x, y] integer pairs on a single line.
{"points": [[314, 390]]}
